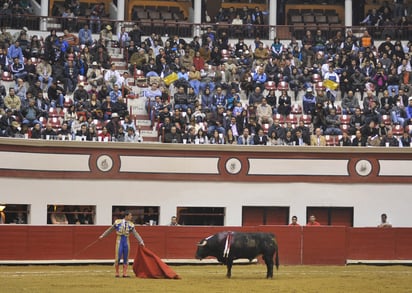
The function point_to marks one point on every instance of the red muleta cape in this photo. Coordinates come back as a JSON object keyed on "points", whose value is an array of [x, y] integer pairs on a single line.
{"points": [[149, 265]]}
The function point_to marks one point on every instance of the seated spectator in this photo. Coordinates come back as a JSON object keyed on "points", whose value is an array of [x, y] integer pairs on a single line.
{"points": [[132, 136], [299, 139], [389, 140], [173, 221], [216, 138], [345, 139], [180, 99], [255, 98], [36, 132], [318, 139], [259, 78], [31, 114], [104, 135], [312, 221], [405, 140], [261, 54], [58, 217], [384, 222], [13, 130], [44, 72], [309, 102], [15, 51], [264, 113], [18, 70], [20, 218], [284, 106], [173, 136], [245, 138], [294, 221], [333, 123], [349, 103], [80, 95]]}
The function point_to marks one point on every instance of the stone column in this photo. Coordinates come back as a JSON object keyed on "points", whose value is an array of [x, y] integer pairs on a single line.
{"points": [[348, 13], [272, 18]]}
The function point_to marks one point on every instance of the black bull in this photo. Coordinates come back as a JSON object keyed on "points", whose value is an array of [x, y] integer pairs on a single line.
{"points": [[228, 246]]}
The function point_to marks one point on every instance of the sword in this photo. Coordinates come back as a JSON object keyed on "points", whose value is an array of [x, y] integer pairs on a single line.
{"points": [[87, 247]]}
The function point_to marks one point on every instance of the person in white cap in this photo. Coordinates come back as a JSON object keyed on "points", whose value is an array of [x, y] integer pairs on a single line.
{"points": [[94, 74], [309, 102], [106, 35]]}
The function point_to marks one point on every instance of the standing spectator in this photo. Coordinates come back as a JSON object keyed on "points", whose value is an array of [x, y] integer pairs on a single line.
{"points": [[68, 20], [106, 35], [257, 20], [71, 74], [136, 35], [123, 38], [96, 14]]}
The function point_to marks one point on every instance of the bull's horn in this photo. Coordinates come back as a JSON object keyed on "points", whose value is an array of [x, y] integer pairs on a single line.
{"points": [[203, 243]]}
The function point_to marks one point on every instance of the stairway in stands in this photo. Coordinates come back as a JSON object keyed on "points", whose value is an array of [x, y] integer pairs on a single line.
{"points": [[136, 104]]}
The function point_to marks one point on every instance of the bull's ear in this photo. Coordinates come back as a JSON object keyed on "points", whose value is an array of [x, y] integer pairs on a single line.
{"points": [[203, 243]]}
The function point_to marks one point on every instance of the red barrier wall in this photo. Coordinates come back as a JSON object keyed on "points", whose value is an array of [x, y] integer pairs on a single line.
{"points": [[297, 245]]}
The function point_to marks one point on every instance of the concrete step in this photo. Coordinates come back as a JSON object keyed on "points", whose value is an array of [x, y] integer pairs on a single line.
{"points": [[137, 106], [144, 123], [150, 139], [149, 133]]}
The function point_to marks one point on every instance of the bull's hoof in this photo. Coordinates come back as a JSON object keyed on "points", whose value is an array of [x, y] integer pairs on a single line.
{"points": [[228, 276]]}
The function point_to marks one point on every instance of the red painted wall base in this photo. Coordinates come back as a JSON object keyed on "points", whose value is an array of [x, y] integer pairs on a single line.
{"points": [[297, 245]]}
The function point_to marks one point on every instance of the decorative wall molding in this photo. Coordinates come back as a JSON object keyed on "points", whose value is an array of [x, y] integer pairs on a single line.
{"points": [[152, 161]]}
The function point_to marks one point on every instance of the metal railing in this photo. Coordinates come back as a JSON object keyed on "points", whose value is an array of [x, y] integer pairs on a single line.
{"points": [[189, 29]]}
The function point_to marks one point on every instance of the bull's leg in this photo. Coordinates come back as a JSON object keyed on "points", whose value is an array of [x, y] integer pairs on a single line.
{"points": [[269, 265], [229, 268]]}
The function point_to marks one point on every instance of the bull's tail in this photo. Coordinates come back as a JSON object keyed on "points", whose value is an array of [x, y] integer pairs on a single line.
{"points": [[276, 255]]}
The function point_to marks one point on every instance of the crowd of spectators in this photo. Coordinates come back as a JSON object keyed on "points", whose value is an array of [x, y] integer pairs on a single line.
{"points": [[209, 89], [76, 215], [15, 13]]}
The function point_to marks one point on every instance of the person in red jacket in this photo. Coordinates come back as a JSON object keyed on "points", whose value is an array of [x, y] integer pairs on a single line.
{"points": [[312, 221], [294, 221]]}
